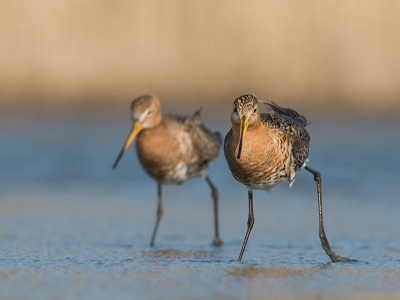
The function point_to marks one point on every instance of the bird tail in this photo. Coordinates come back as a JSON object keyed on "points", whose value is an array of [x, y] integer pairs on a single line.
{"points": [[287, 111], [195, 119]]}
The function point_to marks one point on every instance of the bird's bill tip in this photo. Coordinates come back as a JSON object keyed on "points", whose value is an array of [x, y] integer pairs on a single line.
{"points": [[135, 130]]}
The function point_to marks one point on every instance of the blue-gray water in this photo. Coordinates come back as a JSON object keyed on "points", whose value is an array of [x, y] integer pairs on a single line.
{"points": [[73, 228]]}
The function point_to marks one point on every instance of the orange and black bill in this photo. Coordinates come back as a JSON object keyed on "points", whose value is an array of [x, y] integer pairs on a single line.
{"points": [[135, 130], [243, 127]]}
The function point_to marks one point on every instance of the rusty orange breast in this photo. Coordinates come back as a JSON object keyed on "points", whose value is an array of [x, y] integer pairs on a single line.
{"points": [[264, 161], [165, 152]]}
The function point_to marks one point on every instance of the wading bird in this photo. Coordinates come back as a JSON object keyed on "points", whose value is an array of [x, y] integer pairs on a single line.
{"points": [[264, 149], [172, 149]]}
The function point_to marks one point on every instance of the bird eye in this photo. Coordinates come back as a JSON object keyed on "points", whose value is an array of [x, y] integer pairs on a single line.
{"points": [[235, 110], [255, 109], [149, 112]]}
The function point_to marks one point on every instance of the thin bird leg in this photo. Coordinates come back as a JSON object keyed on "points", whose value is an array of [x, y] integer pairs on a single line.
{"points": [[250, 223], [214, 193], [159, 215], [322, 235]]}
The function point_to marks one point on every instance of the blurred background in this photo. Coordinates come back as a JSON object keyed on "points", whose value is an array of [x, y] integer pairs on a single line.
{"points": [[92, 56]]}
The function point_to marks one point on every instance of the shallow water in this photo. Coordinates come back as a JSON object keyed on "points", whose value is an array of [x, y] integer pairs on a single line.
{"points": [[73, 228]]}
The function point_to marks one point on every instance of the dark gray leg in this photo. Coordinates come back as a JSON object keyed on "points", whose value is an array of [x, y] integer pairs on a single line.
{"points": [[322, 235], [250, 223], [214, 193], [159, 215]]}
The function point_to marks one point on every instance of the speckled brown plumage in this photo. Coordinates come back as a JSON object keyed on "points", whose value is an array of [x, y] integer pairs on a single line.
{"points": [[275, 146], [172, 148], [264, 149], [177, 149]]}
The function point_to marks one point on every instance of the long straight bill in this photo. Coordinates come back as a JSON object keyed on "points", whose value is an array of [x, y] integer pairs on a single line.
{"points": [[243, 127], [135, 130]]}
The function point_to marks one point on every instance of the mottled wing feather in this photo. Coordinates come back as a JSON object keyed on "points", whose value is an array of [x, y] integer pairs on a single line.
{"points": [[195, 119], [287, 111], [206, 143], [294, 127], [299, 151]]}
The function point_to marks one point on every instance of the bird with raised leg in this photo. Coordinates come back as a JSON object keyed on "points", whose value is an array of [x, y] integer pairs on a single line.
{"points": [[172, 149], [264, 149]]}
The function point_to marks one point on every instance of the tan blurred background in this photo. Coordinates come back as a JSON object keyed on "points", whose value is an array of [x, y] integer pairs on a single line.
{"points": [[96, 55]]}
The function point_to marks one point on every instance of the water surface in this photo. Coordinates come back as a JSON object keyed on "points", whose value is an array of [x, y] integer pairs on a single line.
{"points": [[73, 228]]}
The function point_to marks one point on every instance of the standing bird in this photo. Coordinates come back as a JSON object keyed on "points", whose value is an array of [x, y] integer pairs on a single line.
{"points": [[265, 149], [172, 149]]}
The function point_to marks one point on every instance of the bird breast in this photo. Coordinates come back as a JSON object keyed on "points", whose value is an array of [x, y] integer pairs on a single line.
{"points": [[265, 160], [166, 153]]}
